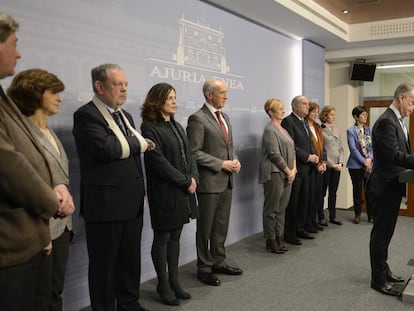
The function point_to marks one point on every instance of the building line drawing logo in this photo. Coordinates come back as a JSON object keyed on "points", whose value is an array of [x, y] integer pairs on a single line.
{"points": [[199, 47]]}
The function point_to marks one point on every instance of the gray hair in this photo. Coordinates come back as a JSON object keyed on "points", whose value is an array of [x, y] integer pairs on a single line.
{"points": [[100, 73], [403, 88], [210, 86], [295, 100], [8, 26]]}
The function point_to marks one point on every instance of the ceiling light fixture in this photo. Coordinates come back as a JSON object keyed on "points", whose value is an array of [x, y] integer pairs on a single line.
{"points": [[345, 11], [395, 66]]}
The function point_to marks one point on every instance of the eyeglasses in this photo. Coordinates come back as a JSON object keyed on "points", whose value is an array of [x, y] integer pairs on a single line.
{"points": [[117, 84]]}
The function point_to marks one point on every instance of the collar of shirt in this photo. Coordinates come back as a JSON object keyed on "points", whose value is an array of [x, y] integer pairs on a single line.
{"points": [[97, 100], [396, 111], [212, 109], [294, 113]]}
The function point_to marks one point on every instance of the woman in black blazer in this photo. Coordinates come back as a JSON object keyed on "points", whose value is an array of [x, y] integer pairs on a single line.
{"points": [[172, 178]]}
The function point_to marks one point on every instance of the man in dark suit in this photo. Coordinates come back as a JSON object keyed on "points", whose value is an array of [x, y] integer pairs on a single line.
{"points": [[27, 200], [392, 154], [112, 191], [211, 139], [296, 126]]}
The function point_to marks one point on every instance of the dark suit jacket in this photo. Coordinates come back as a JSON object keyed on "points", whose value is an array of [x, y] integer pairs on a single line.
{"points": [[112, 189], [210, 149], [168, 177], [303, 144], [27, 200], [392, 154]]}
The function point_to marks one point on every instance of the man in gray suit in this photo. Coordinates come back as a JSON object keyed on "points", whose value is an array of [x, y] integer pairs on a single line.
{"points": [[211, 139]]}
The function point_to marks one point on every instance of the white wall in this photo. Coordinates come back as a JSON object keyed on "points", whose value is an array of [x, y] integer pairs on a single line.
{"points": [[344, 95]]}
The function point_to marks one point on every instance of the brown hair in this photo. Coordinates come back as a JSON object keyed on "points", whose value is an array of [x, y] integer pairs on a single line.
{"points": [[155, 100], [27, 89]]}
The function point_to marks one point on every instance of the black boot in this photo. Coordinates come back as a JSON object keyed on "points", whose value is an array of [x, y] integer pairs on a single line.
{"points": [[159, 258], [173, 253]]}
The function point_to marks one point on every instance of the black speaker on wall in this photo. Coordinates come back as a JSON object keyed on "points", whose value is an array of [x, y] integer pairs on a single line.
{"points": [[363, 71]]}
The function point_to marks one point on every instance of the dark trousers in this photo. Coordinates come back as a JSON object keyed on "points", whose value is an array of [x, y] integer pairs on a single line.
{"points": [[296, 209], [59, 259], [52, 273], [386, 210], [314, 199], [359, 182], [114, 250], [330, 183], [19, 285], [212, 227]]}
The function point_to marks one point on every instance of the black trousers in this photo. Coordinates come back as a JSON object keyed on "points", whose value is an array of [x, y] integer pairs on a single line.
{"points": [[330, 182], [386, 210], [52, 274], [315, 199], [296, 209], [114, 250], [19, 284], [359, 182]]}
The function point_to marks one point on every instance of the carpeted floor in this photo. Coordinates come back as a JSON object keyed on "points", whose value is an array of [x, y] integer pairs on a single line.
{"points": [[329, 273]]}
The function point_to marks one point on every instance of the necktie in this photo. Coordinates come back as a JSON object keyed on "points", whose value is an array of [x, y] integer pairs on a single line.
{"points": [[2, 94], [305, 126], [117, 117], [404, 128], [223, 127]]}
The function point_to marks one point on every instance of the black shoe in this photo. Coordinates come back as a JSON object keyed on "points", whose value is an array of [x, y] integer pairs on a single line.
{"points": [[180, 293], [208, 278], [272, 246], [319, 228], [304, 235], [335, 221], [395, 279], [323, 222], [293, 241], [228, 270], [311, 230], [167, 298], [385, 289]]}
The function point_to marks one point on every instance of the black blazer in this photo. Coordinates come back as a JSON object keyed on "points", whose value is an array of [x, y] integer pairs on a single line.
{"points": [[303, 143], [392, 154], [168, 176], [112, 189]]}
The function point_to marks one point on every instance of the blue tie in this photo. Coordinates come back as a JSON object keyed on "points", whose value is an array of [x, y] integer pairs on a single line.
{"points": [[306, 128], [117, 117]]}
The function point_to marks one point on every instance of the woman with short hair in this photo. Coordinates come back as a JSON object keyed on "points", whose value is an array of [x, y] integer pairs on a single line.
{"points": [[36, 93], [360, 159]]}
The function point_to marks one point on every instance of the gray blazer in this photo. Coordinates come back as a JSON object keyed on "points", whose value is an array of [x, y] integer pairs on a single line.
{"points": [[333, 145], [210, 149], [59, 167], [278, 151]]}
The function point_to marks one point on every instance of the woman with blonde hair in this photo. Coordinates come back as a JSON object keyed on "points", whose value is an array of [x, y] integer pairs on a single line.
{"points": [[277, 173], [335, 157]]}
